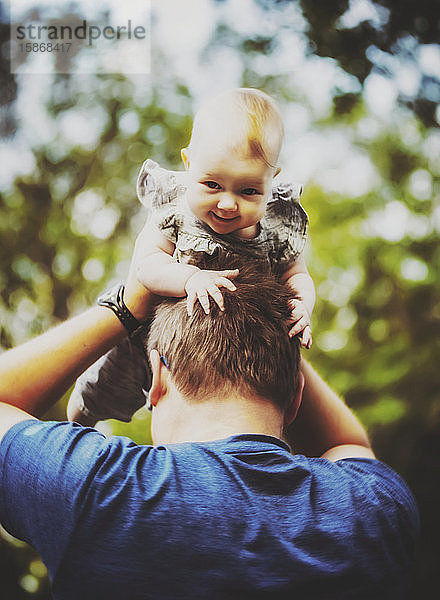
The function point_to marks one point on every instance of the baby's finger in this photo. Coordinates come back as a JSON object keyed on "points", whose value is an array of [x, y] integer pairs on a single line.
{"points": [[217, 295], [293, 303], [227, 283], [229, 273], [293, 318], [299, 326], [306, 338], [190, 301], [297, 309], [204, 300], [297, 315]]}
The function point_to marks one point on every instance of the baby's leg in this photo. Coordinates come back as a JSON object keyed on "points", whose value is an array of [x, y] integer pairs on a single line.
{"points": [[114, 387]]}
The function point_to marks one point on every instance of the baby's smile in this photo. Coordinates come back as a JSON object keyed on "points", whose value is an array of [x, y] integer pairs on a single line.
{"points": [[228, 189], [225, 219]]}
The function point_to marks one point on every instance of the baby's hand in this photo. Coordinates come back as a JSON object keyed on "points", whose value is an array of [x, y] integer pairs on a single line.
{"points": [[301, 319], [203, 283]]}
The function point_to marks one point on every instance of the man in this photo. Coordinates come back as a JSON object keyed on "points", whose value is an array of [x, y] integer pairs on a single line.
{"points": [[219, 507]]}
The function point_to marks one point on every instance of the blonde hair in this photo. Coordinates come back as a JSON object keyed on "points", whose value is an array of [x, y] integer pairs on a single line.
{"points": [[255, 121]]}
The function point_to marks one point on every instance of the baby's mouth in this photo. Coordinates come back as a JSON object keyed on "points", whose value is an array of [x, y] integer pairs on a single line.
{"points": [[224, 219]]}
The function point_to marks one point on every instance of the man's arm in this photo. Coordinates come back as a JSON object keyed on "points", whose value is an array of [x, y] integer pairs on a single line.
{"points": [[35, 375], [325, 426]]}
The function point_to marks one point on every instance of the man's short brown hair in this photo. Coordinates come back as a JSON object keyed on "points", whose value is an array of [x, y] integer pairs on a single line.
{"points": [[244, 348]]}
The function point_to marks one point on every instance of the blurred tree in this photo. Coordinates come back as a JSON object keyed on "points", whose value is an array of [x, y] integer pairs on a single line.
{"points": [[8, 84], [68, 225], [364, 36]]}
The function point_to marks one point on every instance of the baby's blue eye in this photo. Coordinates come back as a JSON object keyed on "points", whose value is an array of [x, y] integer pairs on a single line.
{"points": [[249, 192], [212, 185]]}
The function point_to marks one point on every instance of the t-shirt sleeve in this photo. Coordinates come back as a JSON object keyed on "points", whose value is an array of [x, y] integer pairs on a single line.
{"points": [[45, 472], [397, 513]]}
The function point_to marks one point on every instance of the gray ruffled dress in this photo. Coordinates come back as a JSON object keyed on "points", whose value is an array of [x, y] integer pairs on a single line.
{"points": [[117, 384], [282, 231]]}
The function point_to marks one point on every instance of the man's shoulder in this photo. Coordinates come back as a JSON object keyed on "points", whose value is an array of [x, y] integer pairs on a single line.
{"points": [[365, 471], [56, 464], [47, 447], [33, 429], [375, 489], [60, 449]]}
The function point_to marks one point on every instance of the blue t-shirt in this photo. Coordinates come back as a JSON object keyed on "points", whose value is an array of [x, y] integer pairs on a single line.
{"points": [[236, 518]]}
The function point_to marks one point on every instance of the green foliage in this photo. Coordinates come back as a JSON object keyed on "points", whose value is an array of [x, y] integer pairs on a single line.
{"points": [[390, 30], [68, 229]]}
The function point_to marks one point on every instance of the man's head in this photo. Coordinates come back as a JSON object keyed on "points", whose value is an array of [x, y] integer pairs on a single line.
{"points": [[242, 351], [232, 159]]}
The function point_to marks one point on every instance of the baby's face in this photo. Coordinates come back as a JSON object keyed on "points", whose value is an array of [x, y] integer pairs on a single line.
{"points": [[227, 189]]}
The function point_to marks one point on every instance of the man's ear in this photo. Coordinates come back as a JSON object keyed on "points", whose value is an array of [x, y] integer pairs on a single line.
{"points": [[292, 411], [159, 383], [184, 153]]}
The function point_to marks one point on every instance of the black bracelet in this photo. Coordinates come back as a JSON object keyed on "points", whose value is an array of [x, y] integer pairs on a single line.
{"points": [[114, 299]]}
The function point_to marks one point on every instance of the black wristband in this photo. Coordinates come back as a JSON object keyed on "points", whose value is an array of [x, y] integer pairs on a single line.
{"points": [[114, 299]]}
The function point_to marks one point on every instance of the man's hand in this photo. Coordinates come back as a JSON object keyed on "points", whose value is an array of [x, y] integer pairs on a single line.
{"points": [[300, 317], [203, 284]]}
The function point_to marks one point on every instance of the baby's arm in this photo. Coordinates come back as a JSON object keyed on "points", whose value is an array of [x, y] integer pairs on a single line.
{"points": [[160, 272], [298, 278], [156, 268]]}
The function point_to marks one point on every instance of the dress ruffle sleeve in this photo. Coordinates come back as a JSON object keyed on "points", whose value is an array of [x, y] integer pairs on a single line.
{"points": [[286, 224], [283, 229], [161, 192]]}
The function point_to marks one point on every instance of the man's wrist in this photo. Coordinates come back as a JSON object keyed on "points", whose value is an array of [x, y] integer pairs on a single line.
{"points": [[114, 300], [138, 299]]}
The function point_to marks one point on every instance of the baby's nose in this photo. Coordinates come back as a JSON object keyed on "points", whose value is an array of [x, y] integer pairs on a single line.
{"points": [[227, 202]]}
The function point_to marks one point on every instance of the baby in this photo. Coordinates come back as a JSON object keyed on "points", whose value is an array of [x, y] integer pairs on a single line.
{"points": [[225, 200]]}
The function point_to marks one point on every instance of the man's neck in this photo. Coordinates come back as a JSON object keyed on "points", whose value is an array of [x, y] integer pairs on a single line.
{"points": [[219, 418]]}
